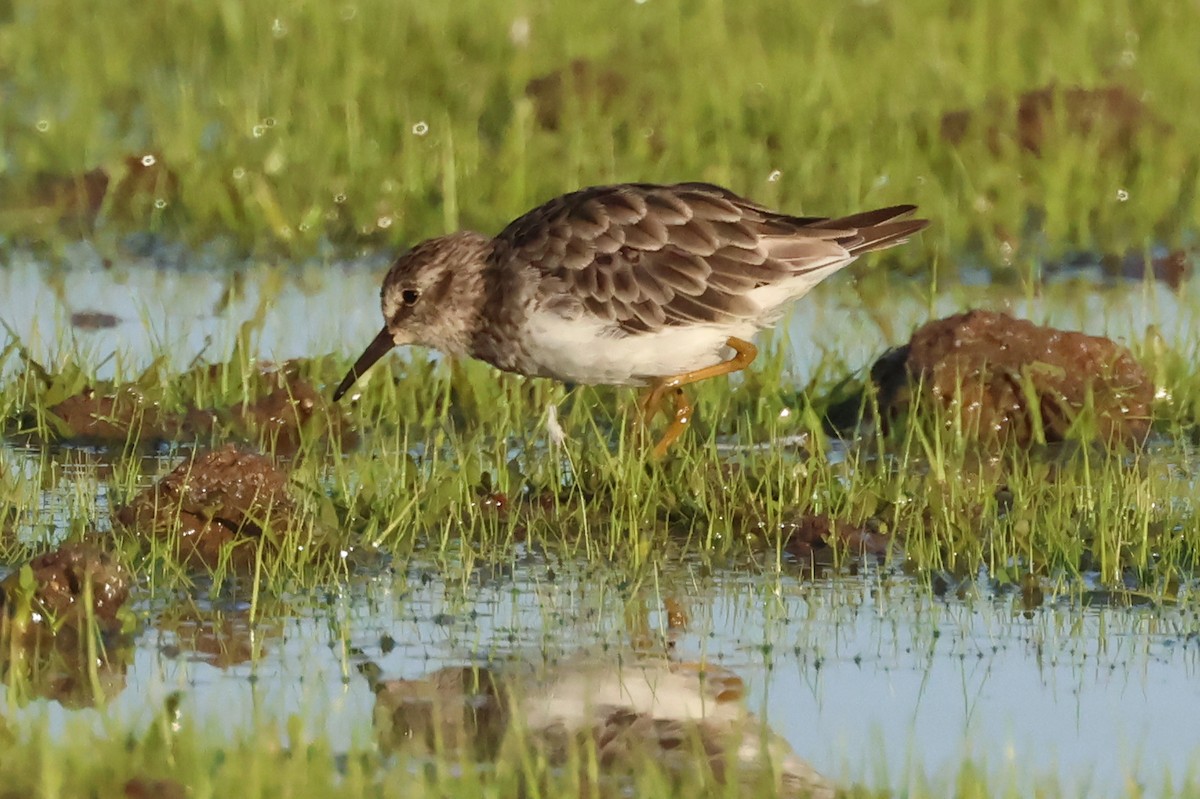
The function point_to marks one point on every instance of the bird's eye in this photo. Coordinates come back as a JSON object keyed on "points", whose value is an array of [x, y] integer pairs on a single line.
{"points": [[410, 296]]}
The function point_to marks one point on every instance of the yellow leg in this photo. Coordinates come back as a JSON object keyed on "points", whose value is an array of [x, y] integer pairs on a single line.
{"points": [[644, 406], [744, 355], [679, 422]]}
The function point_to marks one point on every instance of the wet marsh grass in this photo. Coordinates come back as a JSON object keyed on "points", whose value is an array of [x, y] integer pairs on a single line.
{"points": [[455, 458]]}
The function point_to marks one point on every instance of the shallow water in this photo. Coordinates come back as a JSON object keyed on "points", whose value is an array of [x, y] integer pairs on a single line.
{"points": [[318, 309], [869, 676]]}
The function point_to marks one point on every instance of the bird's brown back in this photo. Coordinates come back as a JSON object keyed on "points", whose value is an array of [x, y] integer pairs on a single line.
{"points": [[645, 257]]}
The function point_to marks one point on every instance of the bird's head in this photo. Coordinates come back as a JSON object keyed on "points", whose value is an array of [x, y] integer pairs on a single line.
{"points": [[430, 298]]}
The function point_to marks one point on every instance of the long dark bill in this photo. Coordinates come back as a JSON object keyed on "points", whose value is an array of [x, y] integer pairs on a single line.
{"points": [[378, 348]]}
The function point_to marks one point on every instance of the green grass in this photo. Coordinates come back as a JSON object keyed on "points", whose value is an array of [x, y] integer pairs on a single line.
{"points": [[292, 127], [454, 459]]}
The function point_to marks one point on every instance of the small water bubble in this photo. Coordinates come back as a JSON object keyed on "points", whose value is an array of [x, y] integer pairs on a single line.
{"points": [[640, 2], [238, 173], [279, 28], [160, 203], [518, 31], [774, 176], [149, 160], [269, 122], [43, 125], [421, 128], [384, 222], [1122, 195], [304, 227], [785, 413], [258, 131], [1128, 58], [339, 198]]}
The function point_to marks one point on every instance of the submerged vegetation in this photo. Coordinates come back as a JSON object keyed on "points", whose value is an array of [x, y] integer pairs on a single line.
{"points": [[242, 500]]}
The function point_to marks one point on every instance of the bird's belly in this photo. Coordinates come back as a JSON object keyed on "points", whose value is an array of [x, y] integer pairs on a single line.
{"points": [[590, 352]]}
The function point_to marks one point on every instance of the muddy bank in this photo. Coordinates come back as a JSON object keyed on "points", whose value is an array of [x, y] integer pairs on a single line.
{"points": [[122, 414], [62, 625], [69, 586], [285, 410], [222, 504], [1112, 116], [816, 538], [134, 193], [582, 86], [1002, 380]]}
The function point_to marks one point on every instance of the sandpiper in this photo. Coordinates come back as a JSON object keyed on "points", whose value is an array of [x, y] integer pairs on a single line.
{"points": [[629, 284]]}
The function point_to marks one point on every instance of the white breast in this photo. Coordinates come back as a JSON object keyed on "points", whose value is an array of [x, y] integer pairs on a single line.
{"points": [[589, 351]]}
